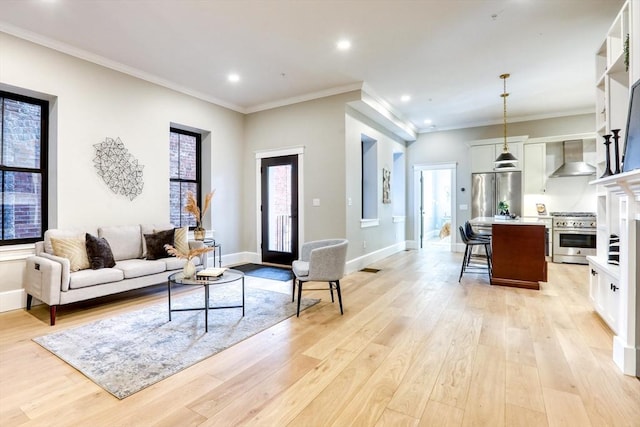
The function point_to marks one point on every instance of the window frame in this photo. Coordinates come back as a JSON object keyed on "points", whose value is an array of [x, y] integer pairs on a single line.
{"points": [[43, 169], [197, 181]]}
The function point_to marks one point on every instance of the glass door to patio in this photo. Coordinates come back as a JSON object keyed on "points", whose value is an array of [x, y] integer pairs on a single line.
{"points": [[279, 210]]}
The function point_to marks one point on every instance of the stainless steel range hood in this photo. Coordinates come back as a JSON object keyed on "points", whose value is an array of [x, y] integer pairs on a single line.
{"points": [[573, 161]]}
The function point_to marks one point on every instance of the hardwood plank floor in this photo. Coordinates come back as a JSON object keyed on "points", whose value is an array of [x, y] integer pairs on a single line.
{"points": [[414, 348]]}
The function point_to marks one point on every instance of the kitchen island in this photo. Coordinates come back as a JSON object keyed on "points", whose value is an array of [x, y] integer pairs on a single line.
{"points": [[518, 251]]}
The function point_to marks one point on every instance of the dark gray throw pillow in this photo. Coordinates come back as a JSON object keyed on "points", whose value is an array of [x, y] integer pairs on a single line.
{"points": [[99, 252], [155, 243]]}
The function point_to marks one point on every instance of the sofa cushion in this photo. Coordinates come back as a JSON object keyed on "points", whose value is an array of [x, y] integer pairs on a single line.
{"points": [[99, 252], [58, 233], [125, 241], [156, 242], [86, 278], [150, 229], [73, 249], [140, 267], [180, 241], [174, 263], [300, 268]]}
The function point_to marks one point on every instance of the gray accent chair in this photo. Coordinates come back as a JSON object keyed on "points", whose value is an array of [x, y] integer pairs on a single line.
{"points": [[320, 261]]}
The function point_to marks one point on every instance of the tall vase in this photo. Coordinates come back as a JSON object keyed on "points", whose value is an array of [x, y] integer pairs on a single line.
{"points": [[607, 168], [616, 149], [189, 270]]}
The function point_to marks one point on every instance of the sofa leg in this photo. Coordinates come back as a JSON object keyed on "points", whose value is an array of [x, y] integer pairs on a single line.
{"points": [[29, 300], [52, 314]]}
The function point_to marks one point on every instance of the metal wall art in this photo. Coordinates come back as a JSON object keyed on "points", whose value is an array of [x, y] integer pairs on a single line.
{"points": [[118, 168], [386, 185]]}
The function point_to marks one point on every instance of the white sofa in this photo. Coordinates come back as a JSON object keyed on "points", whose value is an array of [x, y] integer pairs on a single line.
{"points": [[52, 279]]}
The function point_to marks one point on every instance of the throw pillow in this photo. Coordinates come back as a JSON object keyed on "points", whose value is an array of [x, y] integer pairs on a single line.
{"points": [[180, 240], [74, 250], [99, 252], [181, 243], [614, 250], [155, 244]]}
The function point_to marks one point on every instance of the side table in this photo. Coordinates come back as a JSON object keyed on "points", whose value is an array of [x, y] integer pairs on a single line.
{"points": [[217, 249]]}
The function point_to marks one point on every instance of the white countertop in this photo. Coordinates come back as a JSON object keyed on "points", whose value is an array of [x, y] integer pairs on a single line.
{"points": [[526, 220]]}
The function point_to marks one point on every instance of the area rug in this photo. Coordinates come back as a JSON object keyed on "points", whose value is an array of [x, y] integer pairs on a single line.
{"points": [[126, 353], [265, 271]]}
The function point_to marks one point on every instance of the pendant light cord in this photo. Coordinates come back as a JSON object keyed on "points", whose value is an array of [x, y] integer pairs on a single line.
{"points": [[504, 77]]}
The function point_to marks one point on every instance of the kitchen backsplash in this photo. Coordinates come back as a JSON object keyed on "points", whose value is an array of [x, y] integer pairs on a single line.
{"points": [[568, 194]]}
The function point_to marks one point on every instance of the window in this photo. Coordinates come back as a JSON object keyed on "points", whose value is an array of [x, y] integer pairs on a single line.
{"points": [[184, 174], [369, 178], [23, 168]]}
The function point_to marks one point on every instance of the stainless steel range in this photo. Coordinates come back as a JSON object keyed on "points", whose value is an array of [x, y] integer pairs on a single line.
{"points": [[574, 236]]}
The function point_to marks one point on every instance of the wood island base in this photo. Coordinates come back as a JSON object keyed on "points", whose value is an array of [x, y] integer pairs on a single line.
{"points": [[518, 255]]}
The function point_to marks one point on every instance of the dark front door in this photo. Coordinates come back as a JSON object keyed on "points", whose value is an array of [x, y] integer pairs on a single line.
{"points": [[279, 209]]}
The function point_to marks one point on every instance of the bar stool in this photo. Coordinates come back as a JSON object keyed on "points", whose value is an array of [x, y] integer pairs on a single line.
{"points": [[471, 234], [467, 264]]}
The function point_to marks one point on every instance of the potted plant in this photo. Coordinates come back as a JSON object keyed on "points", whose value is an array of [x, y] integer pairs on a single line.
{"points": [[192, 207], [503, 208]]}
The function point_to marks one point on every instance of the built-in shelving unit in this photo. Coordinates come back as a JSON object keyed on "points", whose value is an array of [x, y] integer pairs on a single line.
{"points": [[613, 288], [612, 83]]}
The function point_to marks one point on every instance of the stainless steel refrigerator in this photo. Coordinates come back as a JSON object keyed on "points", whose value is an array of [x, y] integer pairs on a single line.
{"points": [[490, 188]]}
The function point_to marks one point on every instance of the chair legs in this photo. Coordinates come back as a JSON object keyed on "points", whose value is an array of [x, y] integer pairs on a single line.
{"points": [[299, 297], [339, 295], [468, 253], [335, 284]]}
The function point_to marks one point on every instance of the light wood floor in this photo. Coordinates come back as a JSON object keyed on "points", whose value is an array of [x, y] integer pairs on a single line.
{"points": [[414, 348]]}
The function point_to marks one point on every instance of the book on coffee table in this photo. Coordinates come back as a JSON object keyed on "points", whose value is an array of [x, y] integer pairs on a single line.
{"points": [[208, 273]]}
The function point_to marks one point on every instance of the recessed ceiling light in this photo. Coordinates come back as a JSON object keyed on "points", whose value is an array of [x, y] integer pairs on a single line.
{"points": [[428, 121], [405, 98], [344, 44], [233, 78]]}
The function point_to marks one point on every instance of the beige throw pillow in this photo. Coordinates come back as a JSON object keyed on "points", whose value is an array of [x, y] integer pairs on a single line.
{"points": [[74, 250], [180, 241]]}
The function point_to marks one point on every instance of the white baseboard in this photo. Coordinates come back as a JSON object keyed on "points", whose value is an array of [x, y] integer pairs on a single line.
{"points": [[240, 258], [13, 300], [457, 247], [367, 259]]}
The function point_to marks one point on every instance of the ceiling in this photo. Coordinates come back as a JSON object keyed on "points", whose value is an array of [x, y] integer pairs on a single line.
{"points": [[446, 54]]}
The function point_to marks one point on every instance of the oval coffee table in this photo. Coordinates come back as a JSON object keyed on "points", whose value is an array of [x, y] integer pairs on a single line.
{"points": [[227, 277]]}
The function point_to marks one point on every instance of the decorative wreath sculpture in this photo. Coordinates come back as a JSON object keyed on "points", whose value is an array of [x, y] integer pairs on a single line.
{"points": [[118, 168]]}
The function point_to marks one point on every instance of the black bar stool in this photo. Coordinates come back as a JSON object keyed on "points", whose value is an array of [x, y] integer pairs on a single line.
{"points": [[467, 264]]}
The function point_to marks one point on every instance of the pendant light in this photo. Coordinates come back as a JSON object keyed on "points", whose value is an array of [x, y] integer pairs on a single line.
{"points": [[505, 159]]}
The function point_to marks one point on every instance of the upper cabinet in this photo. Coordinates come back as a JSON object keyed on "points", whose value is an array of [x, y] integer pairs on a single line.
{"points": [[534, 167], [483, 156]]}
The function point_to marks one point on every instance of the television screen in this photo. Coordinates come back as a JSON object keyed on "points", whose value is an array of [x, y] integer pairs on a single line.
{"points": [[631, 159]]}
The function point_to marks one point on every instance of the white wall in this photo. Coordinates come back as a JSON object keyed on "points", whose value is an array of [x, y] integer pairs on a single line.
{"points": [[93, 102], [453, 147], [386, 234], [317, 126]]}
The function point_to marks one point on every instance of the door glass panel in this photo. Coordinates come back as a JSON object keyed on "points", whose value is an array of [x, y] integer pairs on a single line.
{"points": [[279, 182]]}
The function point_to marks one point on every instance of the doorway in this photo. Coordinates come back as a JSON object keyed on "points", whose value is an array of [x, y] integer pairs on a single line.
{"points": [[435, 199], [279, 209]]}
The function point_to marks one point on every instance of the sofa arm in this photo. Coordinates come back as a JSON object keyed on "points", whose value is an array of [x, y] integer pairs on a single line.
{"points": [[43, 279]]}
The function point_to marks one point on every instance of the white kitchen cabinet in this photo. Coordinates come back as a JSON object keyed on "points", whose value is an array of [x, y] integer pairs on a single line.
{"points": [[534, 168], [604, 290], [483, 156]]}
